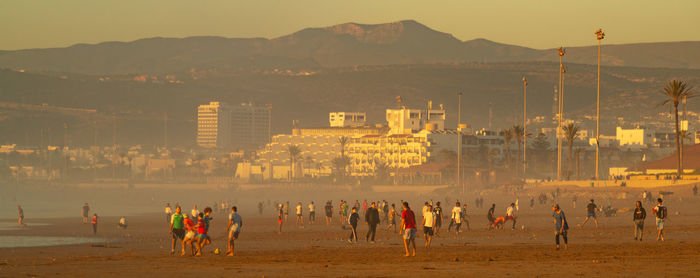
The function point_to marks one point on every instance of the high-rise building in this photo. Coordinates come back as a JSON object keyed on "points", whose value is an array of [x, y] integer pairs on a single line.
{"points": [[249, 126], [213, 125]]}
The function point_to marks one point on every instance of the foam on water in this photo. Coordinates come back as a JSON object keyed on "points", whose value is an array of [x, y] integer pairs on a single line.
{"points": [[10, 226], [35, 241]]}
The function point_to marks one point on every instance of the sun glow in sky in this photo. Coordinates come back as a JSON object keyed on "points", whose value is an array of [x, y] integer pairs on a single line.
{"points": [[531, 23]]}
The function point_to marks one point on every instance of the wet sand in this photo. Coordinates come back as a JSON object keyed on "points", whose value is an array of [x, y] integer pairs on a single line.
{"points": [[321, 251]]}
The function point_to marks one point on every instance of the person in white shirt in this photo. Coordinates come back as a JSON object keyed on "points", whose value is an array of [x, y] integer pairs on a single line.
{"points": [[510, 214], [312, 213], [123, 223], [300, 216], [168, 212], [428, 225], [456, 218], [194, 212]]}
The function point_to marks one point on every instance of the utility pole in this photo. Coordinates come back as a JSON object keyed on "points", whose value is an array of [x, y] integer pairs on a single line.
{"points": [[269, 142], [459, 141], [524, 126], [562, 51], [95, 150], [114, 146], [165, 130], [599, 35], [65, 151]]}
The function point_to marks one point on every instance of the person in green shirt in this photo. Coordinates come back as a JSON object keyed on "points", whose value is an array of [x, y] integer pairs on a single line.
{"points": [[176, 228]]}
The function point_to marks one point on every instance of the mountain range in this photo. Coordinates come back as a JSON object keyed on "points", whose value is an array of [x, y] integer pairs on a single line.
{"points": [[344, 45]]}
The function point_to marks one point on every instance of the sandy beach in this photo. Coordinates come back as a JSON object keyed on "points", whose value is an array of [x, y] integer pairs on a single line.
{"points": [[322, 251]]}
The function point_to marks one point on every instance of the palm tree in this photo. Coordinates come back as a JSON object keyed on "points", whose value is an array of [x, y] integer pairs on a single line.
{"points": [[294, 153], [343, 141], [570, 133], [519, 135], [507, 137], [675, 91], [340, 164]]}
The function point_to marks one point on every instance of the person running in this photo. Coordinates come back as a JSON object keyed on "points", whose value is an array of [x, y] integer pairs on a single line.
{"points": [[438, 218], [429, 220], [20, 216], [168, 212], [392, 218], [329, 213], [86, 212], [280, 218], [638, 217], [190, 235], [660, 212], [510, 214], [372, 219], [590, 212], [312, 213], [94, 223], [491, 216], [300, 216], [408, 227], [352, 220], [560, 225], [202, 237], [176, 228], [235, 223], [207, 218], [456, 218]]}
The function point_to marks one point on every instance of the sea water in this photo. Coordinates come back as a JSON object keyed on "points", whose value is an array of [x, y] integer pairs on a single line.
{"points": [[35, 241]]}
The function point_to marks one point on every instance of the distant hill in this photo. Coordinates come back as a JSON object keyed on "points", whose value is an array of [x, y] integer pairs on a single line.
{"points": [[344, 45]]}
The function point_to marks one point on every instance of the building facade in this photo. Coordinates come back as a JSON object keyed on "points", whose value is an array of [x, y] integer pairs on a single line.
{"points": [[249, 126], [213, 125]]}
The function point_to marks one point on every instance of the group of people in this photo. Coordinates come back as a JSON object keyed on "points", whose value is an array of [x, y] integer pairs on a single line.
{"points": [[194, 231]]}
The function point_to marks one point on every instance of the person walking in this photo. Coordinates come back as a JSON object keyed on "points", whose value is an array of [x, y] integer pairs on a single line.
{"points": [[638, 217], [392, 218], [560, 225], [510, 214], [491, 215], [456, 218], [590, 213], [372, 220], [429, 219], [438, 218], [86, 212], [312, 213], [94, 223], [408, 227], [20, 216], [168, 212], [177, 228], [661, 213], [352, 220], [280, 218]]}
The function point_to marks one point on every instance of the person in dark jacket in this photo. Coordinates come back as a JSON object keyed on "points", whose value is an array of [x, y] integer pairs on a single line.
{"points": [[353, 219], [372, 219], [639, 215]]}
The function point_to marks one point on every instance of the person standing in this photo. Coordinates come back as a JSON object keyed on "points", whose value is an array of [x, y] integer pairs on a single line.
{"points": [[560, 225], [194, 213], [352, 220], [94, 223], [343, 211], [590, 212], [510, 214], [429, 219], [235, 223], [286, 210], [408, 226], [372, 219], [392, 218], [660, 212], [465, 217], [312, 213], [123, 223], [329, 213], [20, 216], [260, 208], [638, 217], [438, 218], [86, 212], [280, 218], [176, 228], [168, 212], [300, 216], [491, 215], [456, 218], [695, 190]]}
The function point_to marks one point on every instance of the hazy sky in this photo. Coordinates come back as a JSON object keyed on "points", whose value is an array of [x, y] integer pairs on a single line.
{"points": [[532, 23]]}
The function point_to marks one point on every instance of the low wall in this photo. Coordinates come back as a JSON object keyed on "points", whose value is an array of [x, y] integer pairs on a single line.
{"points": [[610, 183], [407, 188]]}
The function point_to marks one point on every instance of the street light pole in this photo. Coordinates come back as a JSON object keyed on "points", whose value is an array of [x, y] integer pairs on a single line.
{"points": [[599, 35], [524, 126], [562, 51], [459, 139]]}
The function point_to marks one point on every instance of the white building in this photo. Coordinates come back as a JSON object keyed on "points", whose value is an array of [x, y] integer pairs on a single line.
{"points": [[635, 137], [408, 121], [213, 125], [347, 119]]}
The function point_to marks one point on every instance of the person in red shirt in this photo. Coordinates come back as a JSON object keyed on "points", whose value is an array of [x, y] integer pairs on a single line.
{"points": [[94, 223], [408, 227], [201, 233], [189, 236]]}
